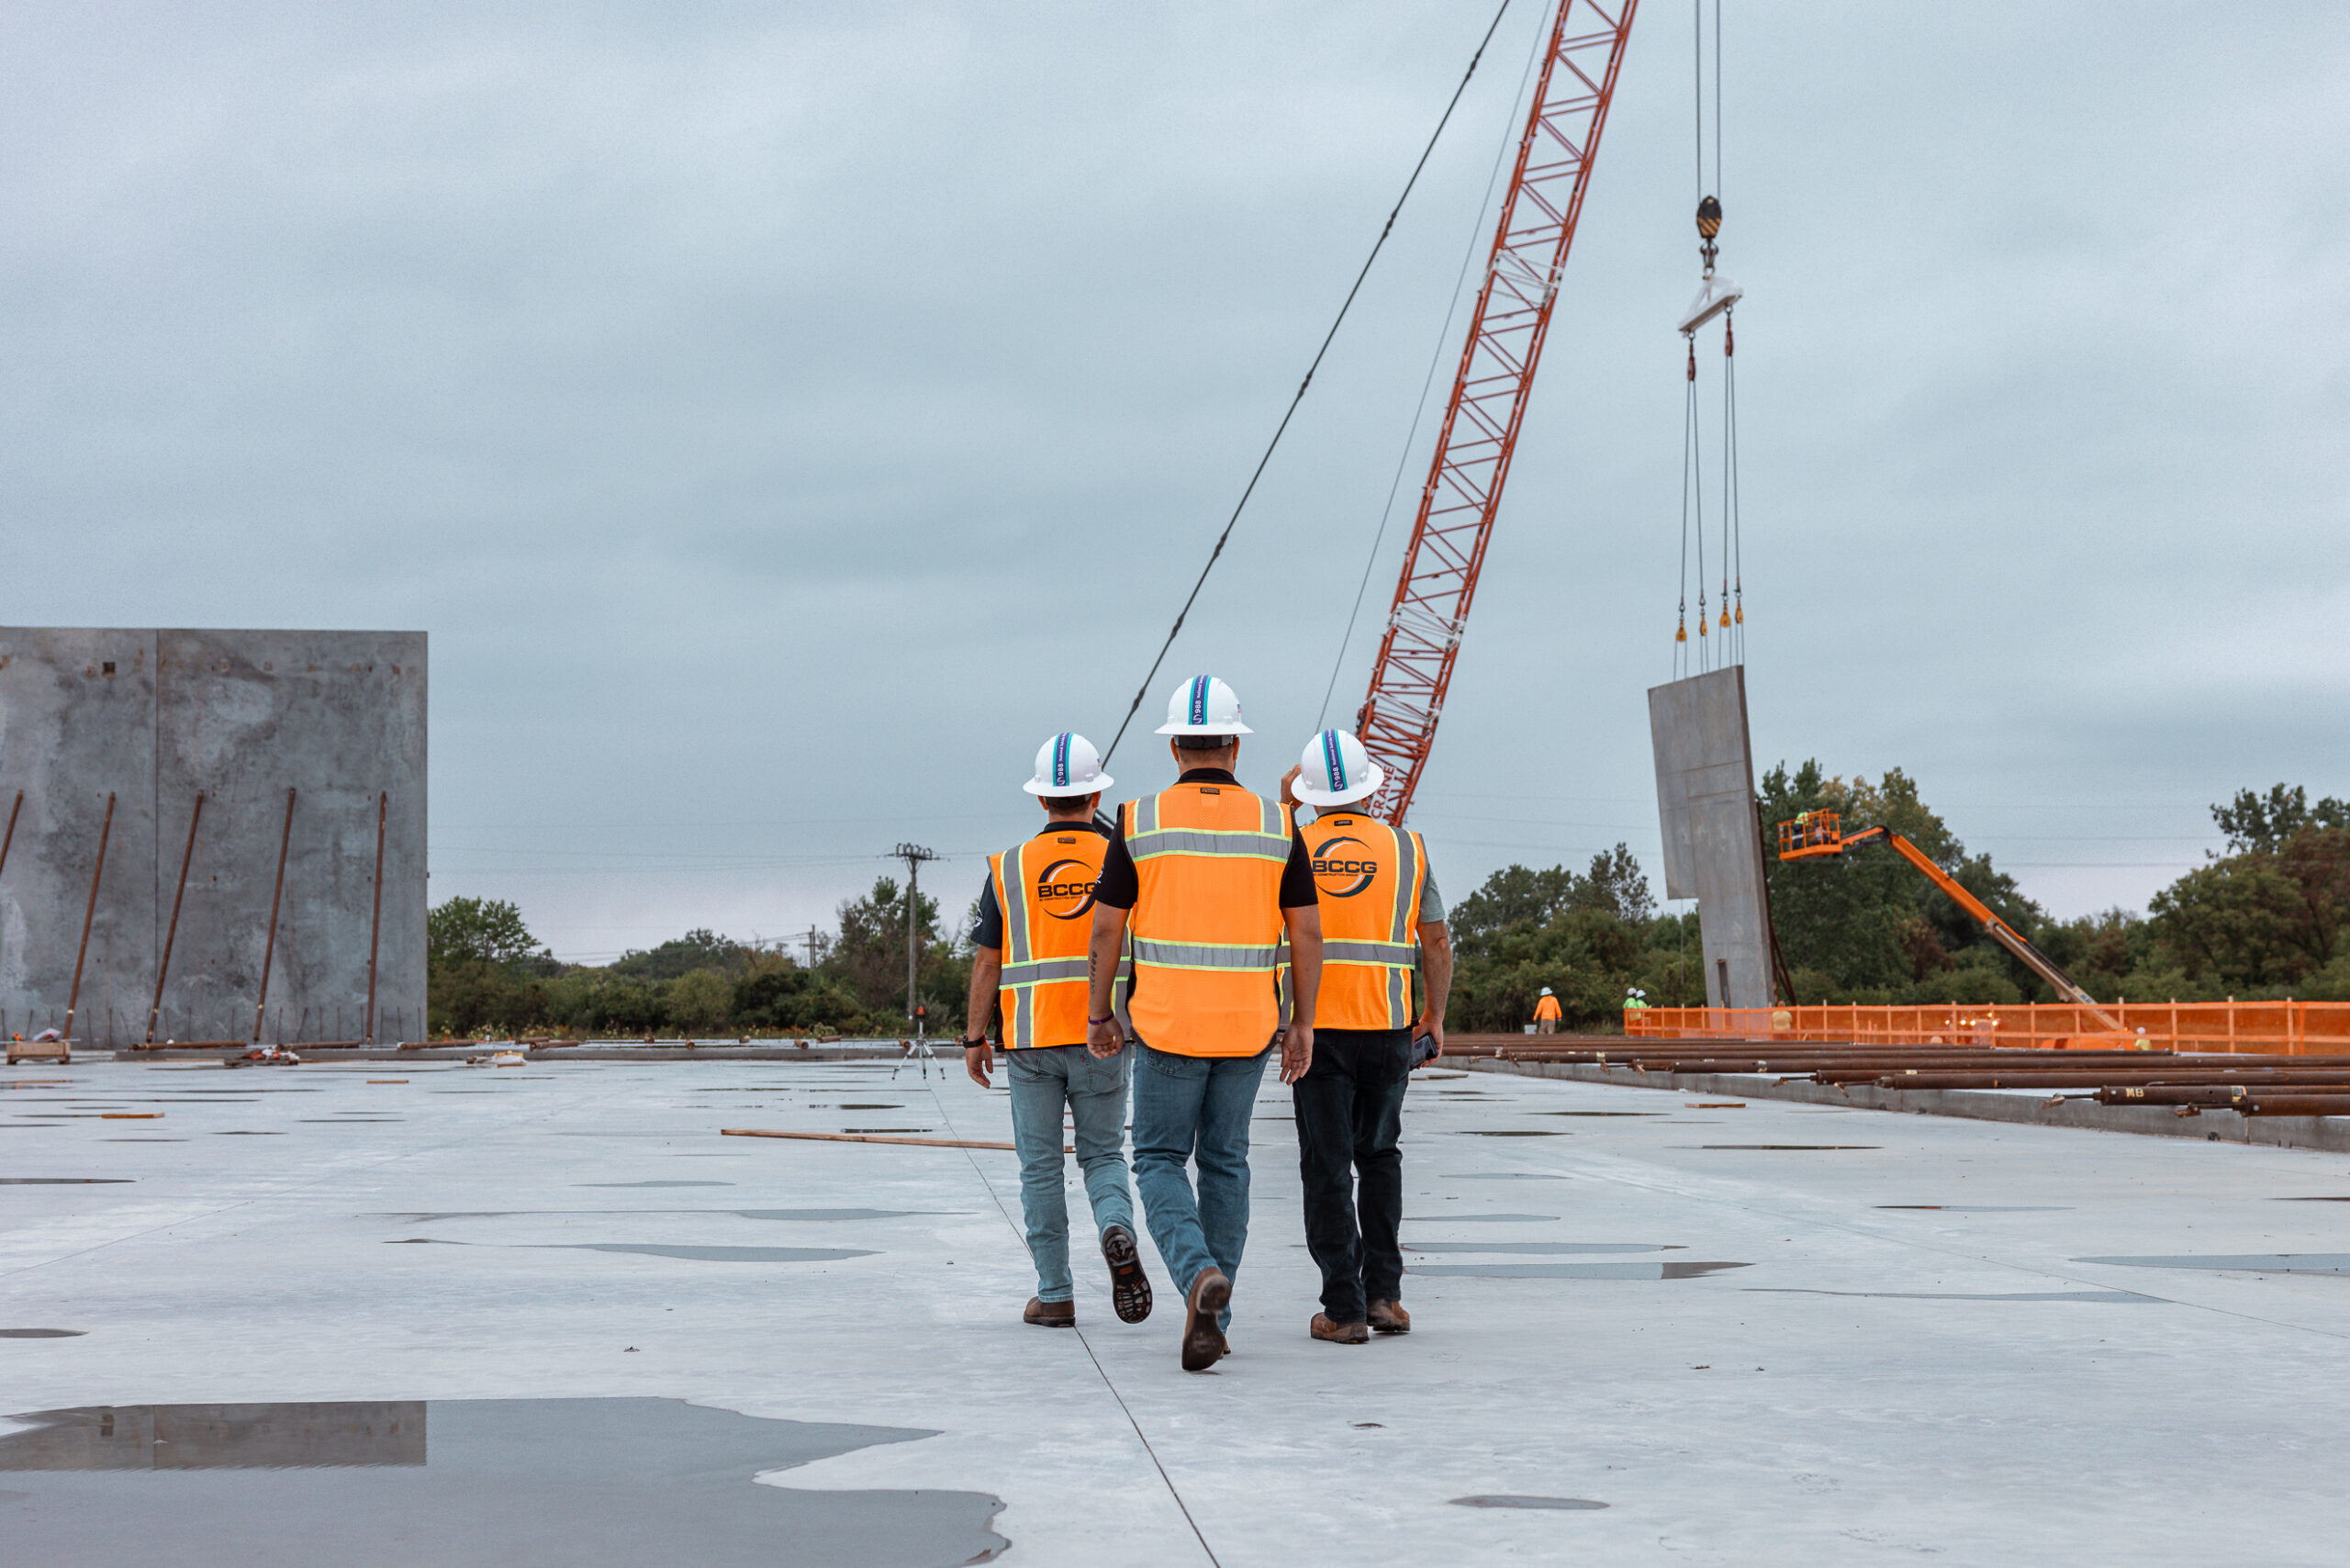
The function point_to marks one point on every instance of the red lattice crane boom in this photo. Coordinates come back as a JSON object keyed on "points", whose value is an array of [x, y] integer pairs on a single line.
{"points": [[1398, 718]]}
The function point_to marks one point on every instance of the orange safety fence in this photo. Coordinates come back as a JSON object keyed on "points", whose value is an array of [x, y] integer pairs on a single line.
{"points": [[2290, 1028]]}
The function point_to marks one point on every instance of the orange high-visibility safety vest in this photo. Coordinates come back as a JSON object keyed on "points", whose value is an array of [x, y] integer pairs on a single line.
{"points": [[1367, 877], [1545, 1008], [1044, 889], [1206, 925]]}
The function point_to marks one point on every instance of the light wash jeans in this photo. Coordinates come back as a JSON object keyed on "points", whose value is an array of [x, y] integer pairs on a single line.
{"points": [[1042, 1080], [1195, 1109]]}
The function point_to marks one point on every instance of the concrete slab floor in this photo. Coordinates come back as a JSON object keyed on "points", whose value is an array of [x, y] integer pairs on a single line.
{"points": [[2024, 1372]]}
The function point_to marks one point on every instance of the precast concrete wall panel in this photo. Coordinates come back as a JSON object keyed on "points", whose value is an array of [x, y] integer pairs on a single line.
{"points": [[1713, 831], [77, 726], [239, 718], [339, 719]]}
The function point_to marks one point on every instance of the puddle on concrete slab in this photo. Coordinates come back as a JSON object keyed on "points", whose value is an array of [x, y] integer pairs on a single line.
{"points": [[1477, 1219], [1503, 1176], [888, 1129], [2346, 1199], [2241, 1263], [42, 1333], [142, 1140], [345, 1121], [865, 1105], [653, 1183], [1514, 1131], [658, 1249], [587, 1483], [63, 1180], [1542, 1246], [1525, 1500], [1596, 1113], [1802, 1147], [2124, 1298], [1691, 1271], [247, 1133], [1986, 1208]]}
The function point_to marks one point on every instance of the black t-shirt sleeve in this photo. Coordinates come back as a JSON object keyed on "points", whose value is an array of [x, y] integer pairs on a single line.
{"points": [[1297, 876], [1119, 887], [987, 931]]}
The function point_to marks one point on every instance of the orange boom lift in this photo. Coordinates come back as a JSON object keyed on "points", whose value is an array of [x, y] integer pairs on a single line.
{"points": [[1816, 834]]}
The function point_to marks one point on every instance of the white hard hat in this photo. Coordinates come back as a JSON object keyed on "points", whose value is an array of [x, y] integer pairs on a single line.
{"points": [[1336, 769], [1203, 706], [1067, 765]]}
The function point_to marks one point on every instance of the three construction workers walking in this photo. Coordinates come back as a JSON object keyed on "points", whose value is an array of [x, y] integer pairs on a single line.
{"points": [[1202, 930]]}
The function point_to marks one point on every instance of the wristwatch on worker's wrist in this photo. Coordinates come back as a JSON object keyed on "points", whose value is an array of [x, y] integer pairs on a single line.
{"points": [[975, 1045]]}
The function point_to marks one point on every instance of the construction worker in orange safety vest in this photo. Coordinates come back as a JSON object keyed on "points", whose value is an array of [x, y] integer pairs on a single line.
{"points": [[1545, 1014], [1382, 922], [1207, 877], [1028, 957]]}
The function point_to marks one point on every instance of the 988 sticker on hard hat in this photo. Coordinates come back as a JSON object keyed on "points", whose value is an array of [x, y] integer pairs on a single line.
{"points": [[1343, 867], [1065, 889]]}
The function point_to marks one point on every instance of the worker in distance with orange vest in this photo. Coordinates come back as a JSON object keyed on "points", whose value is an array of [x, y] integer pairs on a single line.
{"points": [[1206, 878], [1036, 905], [1546, 1012], [1383, 919]]}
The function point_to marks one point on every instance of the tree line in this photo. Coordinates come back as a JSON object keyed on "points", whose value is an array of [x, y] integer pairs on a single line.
{"points": [[2263, 918], [2268, 917], [487, 974]]}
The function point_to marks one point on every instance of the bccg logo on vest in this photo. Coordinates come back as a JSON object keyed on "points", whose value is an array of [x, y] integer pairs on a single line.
{"points": [[1065, 889], [1343, 868]]}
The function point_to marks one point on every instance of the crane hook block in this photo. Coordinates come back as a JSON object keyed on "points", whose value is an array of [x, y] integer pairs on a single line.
{"points": [[1710, 219], [1715, 295]]}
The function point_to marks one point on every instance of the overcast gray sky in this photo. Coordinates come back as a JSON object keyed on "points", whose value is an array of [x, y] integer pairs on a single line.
{"points": [[783, 416]]}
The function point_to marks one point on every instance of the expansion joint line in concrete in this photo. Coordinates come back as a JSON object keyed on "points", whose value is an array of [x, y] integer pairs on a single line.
{"points": [[1101, 1370]]}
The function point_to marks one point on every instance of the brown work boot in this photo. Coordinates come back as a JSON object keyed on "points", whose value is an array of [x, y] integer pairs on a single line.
{"points": [[1129, 1287], [1389, 1318], [1051, 1313], [1339, 1333], [1203, 1338]]}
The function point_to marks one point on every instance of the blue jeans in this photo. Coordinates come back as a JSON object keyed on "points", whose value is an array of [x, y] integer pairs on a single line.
{"points": [[1043, 1080], [1195, 1109]]}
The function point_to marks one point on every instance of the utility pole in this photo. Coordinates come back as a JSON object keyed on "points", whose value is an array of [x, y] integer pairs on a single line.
{"points": [[913, 855], [810, 940]]}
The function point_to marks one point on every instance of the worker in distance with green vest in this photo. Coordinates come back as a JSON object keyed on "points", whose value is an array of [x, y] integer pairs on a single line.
{"points": [[1036, 906]]}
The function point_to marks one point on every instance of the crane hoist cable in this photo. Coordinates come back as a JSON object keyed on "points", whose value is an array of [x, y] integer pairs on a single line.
{"points": [[1346, 305], [1716, 295]]}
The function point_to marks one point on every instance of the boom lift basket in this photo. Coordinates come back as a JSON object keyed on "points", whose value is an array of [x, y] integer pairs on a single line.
{"points": [[1814, 832]]}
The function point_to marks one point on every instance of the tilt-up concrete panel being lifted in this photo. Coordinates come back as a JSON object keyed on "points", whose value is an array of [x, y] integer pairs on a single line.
{"points": [[155, 719], [1713, 831]]}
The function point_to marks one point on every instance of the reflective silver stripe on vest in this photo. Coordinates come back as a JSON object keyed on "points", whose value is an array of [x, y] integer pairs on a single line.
{"points": [[1396, 953], [1204, 955], [1239, 843], [1014, 896], [1023, 1021], [1041, 971], [1407, 883]]}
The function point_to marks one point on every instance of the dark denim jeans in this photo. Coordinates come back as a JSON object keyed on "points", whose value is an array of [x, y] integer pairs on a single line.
{"points": [[1195, 1109], [1043, 1080], [1349, 1118]]}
